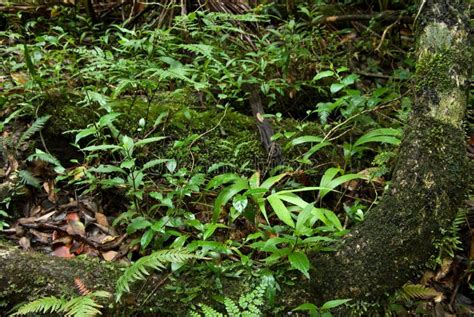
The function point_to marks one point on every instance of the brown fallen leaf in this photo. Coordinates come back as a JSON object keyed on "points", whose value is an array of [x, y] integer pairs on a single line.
{"points": [[62, 251], [36, 219], [74, 225], [25, 243], [66, 240], [109, 255], [42, 237], [101, 219], [49, 188]]}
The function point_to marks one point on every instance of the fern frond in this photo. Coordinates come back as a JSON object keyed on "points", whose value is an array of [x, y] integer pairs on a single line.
{"points": [[83, 306], [35, 127], [194, 314], [155, 261], [43, 306], [231, 307], [43, 156], [418, 291], [27, 178], [202, 49], [81, 287], [209, 311]]}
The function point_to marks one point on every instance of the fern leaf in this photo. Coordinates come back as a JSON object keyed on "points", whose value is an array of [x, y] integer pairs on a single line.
{"points": [[83, 306], [27, 178], [35, 127], [418, 291], [43, 305], [155, 261], [43, 156], [209, 311]]}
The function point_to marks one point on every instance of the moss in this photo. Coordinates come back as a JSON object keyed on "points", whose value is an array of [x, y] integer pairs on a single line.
{"points": [[442, 72], [196, 137]]}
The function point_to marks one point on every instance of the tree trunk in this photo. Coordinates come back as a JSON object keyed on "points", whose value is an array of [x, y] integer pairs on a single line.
{"points": [[429, 179], [379, 255]]}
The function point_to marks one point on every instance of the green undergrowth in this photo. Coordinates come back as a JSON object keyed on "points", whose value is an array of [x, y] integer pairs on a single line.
{"points": [[159, 119]]}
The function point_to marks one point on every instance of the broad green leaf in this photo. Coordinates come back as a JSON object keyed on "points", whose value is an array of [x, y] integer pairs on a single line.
{"points": [[226, 194], [138, 224], [334, 303], [102, 147], [323, 74], [336, 87], [303, 217], [280, 210], [107, 169], [107, 119], [315, 148], [153, 163], [149, 140], [171, 165], [328, 181], [331, 216], [383, 135], [254, 180], [211, 228], [263, 210], [300, 262], [222, 179], [146, 238], [269, 182], [128, 164], [306, 139], [85, 133], [310, 308]]}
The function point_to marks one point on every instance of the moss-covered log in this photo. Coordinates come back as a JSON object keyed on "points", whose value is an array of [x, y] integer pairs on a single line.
{"points": [[379, 255], [227, 137], [27, 276]]}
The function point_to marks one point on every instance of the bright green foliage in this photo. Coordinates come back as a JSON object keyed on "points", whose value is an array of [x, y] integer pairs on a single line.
{"points": [[81, 306], [107, 88], [324, 310], [155, 261], [248, 305]]}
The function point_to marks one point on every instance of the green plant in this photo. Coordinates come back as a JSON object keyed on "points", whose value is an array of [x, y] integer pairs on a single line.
{"points": [[323, 310], [450, 240], [141, 268], [248, 305], [10, 148], [80, 306], [302, 233]]}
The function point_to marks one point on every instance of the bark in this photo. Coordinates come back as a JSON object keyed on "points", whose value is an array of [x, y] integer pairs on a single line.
{"points": [[378, 256], [265, 129], [429, 179]]}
